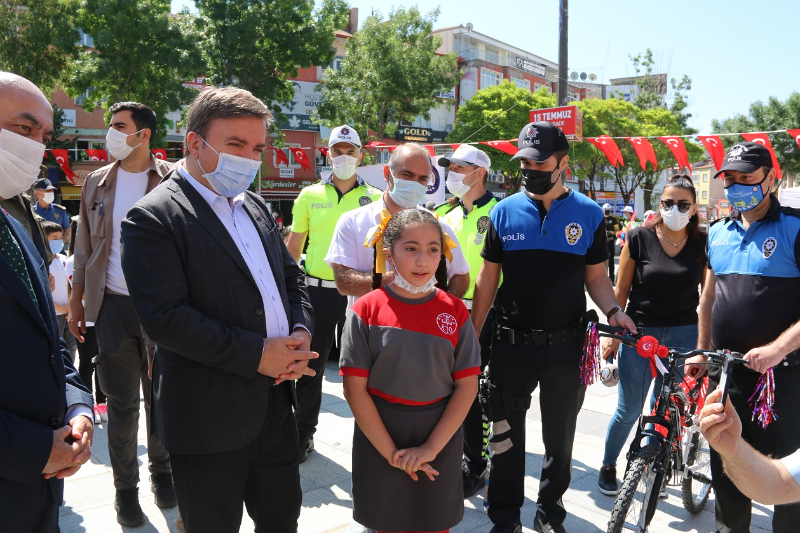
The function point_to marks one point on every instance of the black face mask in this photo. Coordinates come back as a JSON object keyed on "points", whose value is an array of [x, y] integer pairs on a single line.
{"points": [[539, 182]]}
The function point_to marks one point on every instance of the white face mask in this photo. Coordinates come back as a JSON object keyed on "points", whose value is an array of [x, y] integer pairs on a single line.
{"points": [[455, 183], [404, 284], [674, 219], [20, 159], [344, 166], [407, 193], [233, 174], [117, 143], [49, 197]]}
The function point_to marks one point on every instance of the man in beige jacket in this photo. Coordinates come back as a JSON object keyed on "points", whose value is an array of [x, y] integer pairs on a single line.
{"points": [[100, 295]]}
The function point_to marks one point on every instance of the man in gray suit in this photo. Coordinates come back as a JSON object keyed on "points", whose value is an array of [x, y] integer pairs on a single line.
{"points": [[226, 305]]}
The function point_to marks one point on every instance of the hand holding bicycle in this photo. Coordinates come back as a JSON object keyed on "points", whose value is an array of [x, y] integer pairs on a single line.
{"points": [[722, 428]]}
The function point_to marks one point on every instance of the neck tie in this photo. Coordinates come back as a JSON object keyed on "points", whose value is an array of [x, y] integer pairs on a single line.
{"points": [[10, 249]]}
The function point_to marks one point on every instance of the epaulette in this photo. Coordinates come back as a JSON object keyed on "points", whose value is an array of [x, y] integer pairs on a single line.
{"points": [[59, 205], [718, 220], [787, 210]]}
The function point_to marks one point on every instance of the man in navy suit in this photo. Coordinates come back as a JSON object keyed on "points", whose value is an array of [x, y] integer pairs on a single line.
{"points": [[46, 421]]}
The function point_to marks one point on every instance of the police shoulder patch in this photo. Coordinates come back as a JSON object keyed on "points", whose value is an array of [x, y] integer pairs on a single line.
{"points": [[364, 200], [483, 224], [769, 246], [573, 232]]}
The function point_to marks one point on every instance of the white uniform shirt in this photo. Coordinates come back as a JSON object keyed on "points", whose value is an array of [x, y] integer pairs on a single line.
{"points": [[792, 464], [58, 268], [347, 247], [244, 233], [129, 190]]}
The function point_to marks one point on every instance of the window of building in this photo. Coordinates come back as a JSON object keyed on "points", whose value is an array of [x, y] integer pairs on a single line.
{"points": [[85, 40], [537, 86], [490, 78], [336, 64], [705, 176], [705, 195], [521, 83], [289, 154], [573, 97], [421, 122], [81, 98], [492, 55]]}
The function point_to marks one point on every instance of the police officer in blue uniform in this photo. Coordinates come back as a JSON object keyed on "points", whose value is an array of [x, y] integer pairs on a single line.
{"points": [[751, 304], [548, 242], [48, 210]]}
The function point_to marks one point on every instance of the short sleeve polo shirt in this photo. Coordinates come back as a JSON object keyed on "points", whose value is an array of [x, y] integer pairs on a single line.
{"points": [[55, 213], [544, 256], [757, 294]]}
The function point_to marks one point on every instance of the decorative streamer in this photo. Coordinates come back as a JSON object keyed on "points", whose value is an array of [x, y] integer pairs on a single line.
{"points": [[763, 400], [590, 362]]}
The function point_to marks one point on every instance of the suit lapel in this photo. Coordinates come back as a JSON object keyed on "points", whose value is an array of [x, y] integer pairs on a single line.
{"points": [[14, 284], [195, 205]]}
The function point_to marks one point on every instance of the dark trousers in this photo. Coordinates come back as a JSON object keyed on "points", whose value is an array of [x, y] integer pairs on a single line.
{"points": [[329, 309], [611, 253], [122, 368], [476, 426], [519, 370], [781, 438], [66, 334], [264, 475], [29, 508], [87, 351]]}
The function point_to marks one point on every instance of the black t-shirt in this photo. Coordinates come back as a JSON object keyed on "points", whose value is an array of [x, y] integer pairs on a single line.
{"points": [[665, 290], [544, 257], [612, 227]]}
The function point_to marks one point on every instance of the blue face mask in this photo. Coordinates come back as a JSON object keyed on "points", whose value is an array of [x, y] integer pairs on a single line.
{"points": [[57, 246], [745, 197], [233, 174]]}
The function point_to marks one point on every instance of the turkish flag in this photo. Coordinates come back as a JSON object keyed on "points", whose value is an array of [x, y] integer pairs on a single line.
{"points": [[763, 139], [373, 144], [454, 146], [644, 150], [61, 155], [97, 155], [300, 157], [714, 147], [280, 157], [323, 151], [160, 153], [503, 146], [795, 135], [431, 150], [678, 149], [607, 145]]}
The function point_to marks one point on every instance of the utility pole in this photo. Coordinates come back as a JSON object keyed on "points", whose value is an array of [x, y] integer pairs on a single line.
{"points": [[562, 52]]}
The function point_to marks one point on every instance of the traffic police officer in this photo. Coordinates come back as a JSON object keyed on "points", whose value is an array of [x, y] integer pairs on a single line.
{"points": [[548, 242], [467, 212], [751, 304], [314, 215], [46, 209]]}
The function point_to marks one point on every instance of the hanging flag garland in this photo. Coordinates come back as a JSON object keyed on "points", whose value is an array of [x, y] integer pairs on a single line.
{"points": [[678, 149], [160, 153], [763, 139], [97, 155], [300, 157], [714, 147], [644, 151], [607, 145], [61, 156]]}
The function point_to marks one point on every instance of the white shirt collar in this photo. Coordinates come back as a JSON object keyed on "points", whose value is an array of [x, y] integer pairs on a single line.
{"points": [[210, 196]]}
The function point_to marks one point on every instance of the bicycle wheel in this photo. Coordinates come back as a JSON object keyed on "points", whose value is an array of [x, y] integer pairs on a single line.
{"points": [[696, 484], [637, 500]]}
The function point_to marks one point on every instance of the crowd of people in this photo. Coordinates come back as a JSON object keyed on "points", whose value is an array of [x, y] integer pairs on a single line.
{"points": [[179, 286]]}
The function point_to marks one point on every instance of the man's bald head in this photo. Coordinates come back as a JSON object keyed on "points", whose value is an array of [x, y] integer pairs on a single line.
{"points": [[24, 109]]}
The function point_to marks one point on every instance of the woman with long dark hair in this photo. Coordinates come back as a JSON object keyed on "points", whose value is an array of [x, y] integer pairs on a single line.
{"points": [[660, 271]]}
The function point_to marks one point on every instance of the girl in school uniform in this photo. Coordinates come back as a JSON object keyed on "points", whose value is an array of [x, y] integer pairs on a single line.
{"points": [[410, 361]]}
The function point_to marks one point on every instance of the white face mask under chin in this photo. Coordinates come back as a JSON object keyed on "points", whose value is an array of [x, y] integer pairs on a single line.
{"points": [[20, 159], [404, 284]]}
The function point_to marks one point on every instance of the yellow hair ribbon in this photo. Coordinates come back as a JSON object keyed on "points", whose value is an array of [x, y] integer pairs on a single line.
{"points": [[375, 238]]}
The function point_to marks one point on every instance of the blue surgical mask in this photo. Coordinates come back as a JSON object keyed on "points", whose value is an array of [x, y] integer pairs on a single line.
{"points": [[57, 246], [745, 197], [233, 174], [407, 193]]}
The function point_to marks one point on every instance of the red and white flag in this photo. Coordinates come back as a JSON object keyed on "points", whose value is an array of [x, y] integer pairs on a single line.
{"points": [[503, 146], [714, 147], [763, 139], [300, 157], [644, 150], [606, 144], [678, 149], [61, 155], [795, 135], [160, 153], [97, 155]]}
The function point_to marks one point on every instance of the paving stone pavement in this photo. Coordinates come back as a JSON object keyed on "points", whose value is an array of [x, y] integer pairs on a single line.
{"points": [[325, 479]]}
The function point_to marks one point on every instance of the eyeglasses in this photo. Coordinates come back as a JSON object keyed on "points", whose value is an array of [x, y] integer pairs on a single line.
{"points": [[683, 206]]}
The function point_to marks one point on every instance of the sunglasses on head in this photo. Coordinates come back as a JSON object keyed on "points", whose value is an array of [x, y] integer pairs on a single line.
{"points": [[683, 206]]}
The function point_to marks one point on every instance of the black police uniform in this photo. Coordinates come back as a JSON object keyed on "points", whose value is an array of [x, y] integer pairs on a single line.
{"points": [[757, 298], [544, 255]]}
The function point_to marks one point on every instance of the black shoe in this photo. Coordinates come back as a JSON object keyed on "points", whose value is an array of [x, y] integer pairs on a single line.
{"points": [[473, 482], [541, 525], [129, 512], [162, 487], [306, 447], [607, 480], [507, 528]]}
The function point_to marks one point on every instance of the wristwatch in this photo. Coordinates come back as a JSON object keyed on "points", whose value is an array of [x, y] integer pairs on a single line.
{"points": [[613, 311]]}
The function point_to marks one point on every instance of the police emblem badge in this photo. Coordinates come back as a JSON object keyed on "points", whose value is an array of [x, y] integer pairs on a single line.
{"points": [[573, 232]]}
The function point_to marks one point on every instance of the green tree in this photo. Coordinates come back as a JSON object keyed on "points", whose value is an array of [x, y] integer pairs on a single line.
{"points": [[654, 91], [390, 74], [258, 44], [37, 39], [56, 141], [585, 161], [499, 113], [773, 115], [141, 53]]}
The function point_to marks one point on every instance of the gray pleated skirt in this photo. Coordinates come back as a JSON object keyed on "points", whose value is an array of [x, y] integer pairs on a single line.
{"points": [[386, 498]]}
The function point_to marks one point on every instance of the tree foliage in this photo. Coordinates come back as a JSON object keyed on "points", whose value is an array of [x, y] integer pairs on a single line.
{"points": [[390, 74], [258, 44], [773, 115], [56, 141], [141, 53], [499, 113], [655, 92], [37, 39]]}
